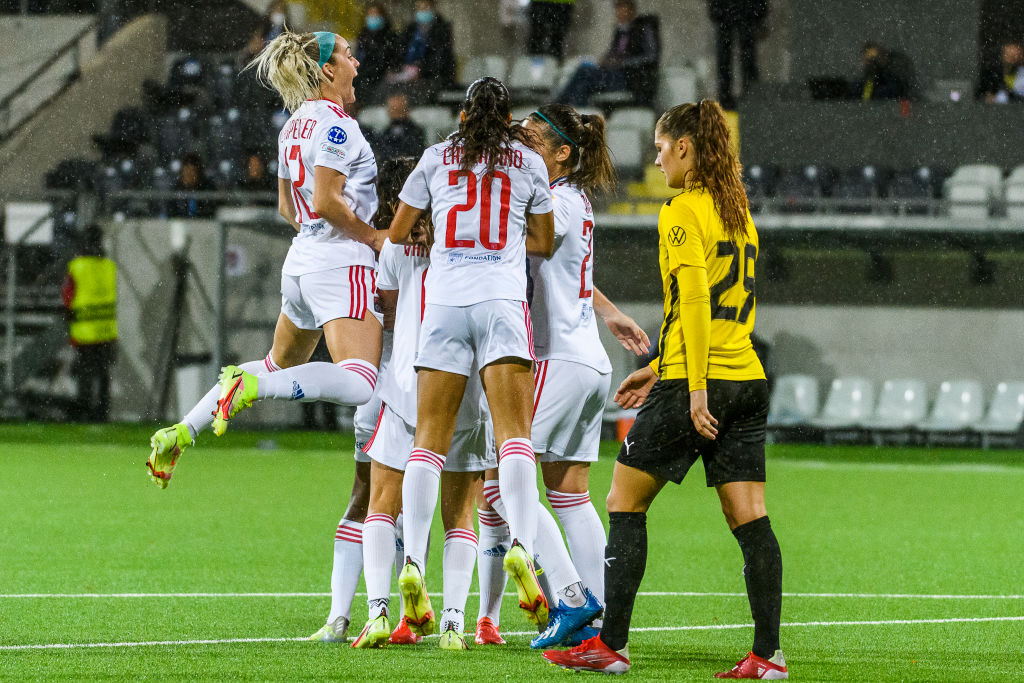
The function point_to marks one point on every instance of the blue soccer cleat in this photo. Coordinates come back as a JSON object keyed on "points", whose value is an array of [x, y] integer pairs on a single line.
{"points": [[585, 633], [564, 622]]}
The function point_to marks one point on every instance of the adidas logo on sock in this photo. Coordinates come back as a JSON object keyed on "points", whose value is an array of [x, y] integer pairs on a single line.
{"points": [[297, 392], [399, 545], [497, 551]]}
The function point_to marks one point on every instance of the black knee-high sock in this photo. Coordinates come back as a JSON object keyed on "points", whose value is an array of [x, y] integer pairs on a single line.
{"points": [[763, 573], [625, 558]]}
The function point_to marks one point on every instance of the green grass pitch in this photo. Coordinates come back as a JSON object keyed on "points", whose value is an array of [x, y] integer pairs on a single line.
{"points": [[875, 545]]}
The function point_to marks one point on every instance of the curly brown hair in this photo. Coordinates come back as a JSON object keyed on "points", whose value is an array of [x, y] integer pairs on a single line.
{"points": [[486, 131], [391, 177], [718, 168], [589, 161]]}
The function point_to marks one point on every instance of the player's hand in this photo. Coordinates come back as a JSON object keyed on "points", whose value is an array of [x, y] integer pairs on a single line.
{"points": [[634, 389], [703, 420], [629, 334]]}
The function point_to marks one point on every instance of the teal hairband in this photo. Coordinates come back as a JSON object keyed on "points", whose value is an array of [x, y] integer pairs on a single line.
{"points": [[569, 139], [325, 39]]}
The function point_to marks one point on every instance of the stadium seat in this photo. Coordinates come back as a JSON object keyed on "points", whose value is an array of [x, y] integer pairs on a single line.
{"points": [[860, 185], [677, 85], [1015, 201], [970, 202], [653, 186], [373, 118], [958, 407], [533, 74], [640, 119], [794, 401], [627, 151], [760, 183], [568, 68], [478, 67], [1005, 413], [989, 175], [438, 122], [901, 405], [849, 404], [796, 186]]}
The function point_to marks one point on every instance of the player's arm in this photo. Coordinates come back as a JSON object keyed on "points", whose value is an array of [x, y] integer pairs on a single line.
{"points": [[540, 234], [695, 325], [388, 306], [625, 329], [634, 389], [329, 204], [285, 205], [402, 224]]}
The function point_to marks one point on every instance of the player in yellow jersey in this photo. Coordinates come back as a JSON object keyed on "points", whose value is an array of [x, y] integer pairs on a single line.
{"points": [[706, 397]]}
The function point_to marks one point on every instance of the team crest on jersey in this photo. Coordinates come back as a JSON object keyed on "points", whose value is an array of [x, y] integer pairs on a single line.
{"points": [[331, 149], [337, 135], [676, 236]]}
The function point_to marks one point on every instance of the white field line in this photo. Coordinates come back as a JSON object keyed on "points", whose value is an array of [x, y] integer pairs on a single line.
{"points": [[695, 627], [643, 594], [957, 468]]}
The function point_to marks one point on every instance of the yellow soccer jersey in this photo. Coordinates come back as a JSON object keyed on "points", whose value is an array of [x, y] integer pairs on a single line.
{"points": [[690, 233]]}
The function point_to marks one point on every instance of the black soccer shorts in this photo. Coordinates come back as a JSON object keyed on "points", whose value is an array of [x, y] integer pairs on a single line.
{"points": [[663, 441]]}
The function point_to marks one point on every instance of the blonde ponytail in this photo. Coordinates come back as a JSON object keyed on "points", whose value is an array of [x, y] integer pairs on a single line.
{"points": [[290, 65]]}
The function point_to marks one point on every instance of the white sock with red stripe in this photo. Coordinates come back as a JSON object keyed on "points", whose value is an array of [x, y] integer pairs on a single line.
{"points": [[517, 479], [494, 543], [201, 415], [348, 565], [378, 559], [458, 561], [419, 499], [349, 383], [584, 533]]}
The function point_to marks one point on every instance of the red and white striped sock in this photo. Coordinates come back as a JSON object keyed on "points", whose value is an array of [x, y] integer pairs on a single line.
{"points": [[350, 382], [493, 544], [419, 499], [584, 533], [378, 558], [517, 479], [348, 565], [458, 561], [201, 415]]}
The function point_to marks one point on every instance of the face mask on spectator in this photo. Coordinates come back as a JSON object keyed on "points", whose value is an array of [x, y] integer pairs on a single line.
{"points": [[424, 16], [277, 18], [375, 23]]}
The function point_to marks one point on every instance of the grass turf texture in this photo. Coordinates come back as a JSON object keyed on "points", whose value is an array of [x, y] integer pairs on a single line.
{"points": [[80, 516]]}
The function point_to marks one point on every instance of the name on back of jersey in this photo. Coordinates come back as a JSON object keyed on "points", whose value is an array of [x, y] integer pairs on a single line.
{"points": [[510, 157], [299, 129]]}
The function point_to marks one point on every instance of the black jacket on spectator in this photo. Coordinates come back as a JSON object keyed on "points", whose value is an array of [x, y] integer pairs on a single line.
{"points": [[378, 52], [642, 53], [731, 12], [993, 81], [437, 68], [400, 138]]}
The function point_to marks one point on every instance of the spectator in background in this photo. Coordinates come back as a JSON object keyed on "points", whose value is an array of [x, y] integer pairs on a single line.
{"points": [[378, 51], [1004, 82], [276, 20], [630, 64], [90, 297], [256, 179], [192, 178], [739, 19], [402, 137], [428, 63], [549, 22], [881, 79]]}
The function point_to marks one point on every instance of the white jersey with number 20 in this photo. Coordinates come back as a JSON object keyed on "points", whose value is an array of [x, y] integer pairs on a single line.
{"points": [[320, 133], [479, 251]]}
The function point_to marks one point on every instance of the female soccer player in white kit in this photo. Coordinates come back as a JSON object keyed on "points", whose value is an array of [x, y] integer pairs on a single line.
{"points": [[490, 201], [326, 191]]}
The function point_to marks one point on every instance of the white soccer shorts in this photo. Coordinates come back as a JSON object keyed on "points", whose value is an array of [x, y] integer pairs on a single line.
{"points": [[392, 443], [568, 404], [452, 336], [311, 300]]}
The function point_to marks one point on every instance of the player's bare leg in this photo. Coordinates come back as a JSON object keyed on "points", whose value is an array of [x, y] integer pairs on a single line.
{"points": [[460, 490]]}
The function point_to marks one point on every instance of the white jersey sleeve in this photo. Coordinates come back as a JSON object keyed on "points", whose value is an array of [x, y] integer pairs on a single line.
{"points": [[562, 310], [320, 133], [404, 267], [479, 251]]}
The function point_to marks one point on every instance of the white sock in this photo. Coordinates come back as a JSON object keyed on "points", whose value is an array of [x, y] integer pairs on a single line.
{"points": [[551, 555], [201, 415], [584, 534], [378, 558], [494, 543], [349, 382], [458, 561], [517, 479], [348, 565], [419, 499]]}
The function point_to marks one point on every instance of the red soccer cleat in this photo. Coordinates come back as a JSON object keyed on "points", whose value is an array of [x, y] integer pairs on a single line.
{"points": [[487, 633], [590, 655], [402, 635], [752, 666]]}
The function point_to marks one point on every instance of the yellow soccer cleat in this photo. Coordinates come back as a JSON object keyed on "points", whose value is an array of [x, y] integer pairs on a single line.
{"points": [[332, 632], [519, 566], [452, 640], [237, 392], [375, 633], [416, 609], [168, 444]]}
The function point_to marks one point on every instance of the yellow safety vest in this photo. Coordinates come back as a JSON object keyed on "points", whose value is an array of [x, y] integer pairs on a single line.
{"points": [[94, 305]]}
